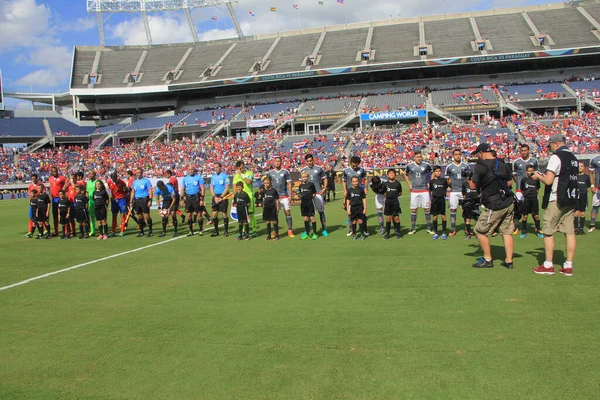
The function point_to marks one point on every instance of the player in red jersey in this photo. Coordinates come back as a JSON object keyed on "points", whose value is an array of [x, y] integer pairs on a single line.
{"points": [[175, 183], [33, 187], [118, 189], [57, 183]]}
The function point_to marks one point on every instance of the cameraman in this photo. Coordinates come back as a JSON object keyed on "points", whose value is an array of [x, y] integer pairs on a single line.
{"points": [[493, 177]]}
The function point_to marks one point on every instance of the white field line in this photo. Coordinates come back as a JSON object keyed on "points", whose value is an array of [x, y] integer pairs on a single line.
{"points": [[60, 271]]}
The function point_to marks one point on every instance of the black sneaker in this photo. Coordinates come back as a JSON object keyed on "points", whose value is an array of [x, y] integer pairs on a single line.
{"points": [[386, 237], [507, 265], [398, 236], [483, 263], [141, 234], [214, 234], [80, 237], [150, 234], [190, 234], [247, 237], [62, 237], [175, 234], [363, 237], [163, 234], [268, 238], [226, 233]]}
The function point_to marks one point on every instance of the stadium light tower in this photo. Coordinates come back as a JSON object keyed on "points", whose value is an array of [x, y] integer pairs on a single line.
{"points": [[144, 6]]}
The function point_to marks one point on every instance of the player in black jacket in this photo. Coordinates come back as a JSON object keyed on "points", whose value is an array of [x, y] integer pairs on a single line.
{"points": [[391, 207], [42, 211], [308, 191], [64, 211], [356, 205], [438, 187], [242, 201], [530, 189], [585, 185], [270, 208]]}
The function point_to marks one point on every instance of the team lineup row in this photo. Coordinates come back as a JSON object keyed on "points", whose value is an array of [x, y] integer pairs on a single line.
{"points": [[86, 203]]}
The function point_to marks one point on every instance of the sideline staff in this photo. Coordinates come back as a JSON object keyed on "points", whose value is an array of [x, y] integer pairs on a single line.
{"points": [[493, 177]]}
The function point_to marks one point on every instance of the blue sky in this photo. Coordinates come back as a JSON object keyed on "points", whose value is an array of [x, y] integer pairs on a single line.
{"points": [[37, 36]]}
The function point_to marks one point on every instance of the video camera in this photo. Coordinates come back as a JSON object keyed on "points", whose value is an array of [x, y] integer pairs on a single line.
{"points": [[377, 185]]}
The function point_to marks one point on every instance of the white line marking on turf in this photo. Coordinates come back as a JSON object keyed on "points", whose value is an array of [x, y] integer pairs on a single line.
{"points": [[60, 271]]}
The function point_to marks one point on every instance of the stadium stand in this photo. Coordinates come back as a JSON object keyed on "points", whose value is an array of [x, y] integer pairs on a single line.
{"points": [[202, 57], [450, 38], [159, 61], [153, 123], [536, 91], [110, 128], [211, 116], [242, 57], [508, 33], [393, 102], [115, 64], [593, 10], [339, 48], [85, 61], [463, 96], [329, 106], [62, 127], [22, 127], [567, 27], [290, 52], [268, 110], [387, 46]]}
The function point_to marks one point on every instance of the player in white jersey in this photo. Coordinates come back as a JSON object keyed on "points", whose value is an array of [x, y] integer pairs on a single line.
{"points": [[520, 172], [456, 174]]}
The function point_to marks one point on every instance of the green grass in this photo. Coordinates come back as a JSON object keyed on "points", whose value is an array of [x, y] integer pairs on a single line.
{"points": [[211, 318]]}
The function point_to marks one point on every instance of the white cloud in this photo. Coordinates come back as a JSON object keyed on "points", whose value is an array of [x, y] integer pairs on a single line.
{"points": [[165, 29], [22, 23], [58, 57], [79, 25], [46, 77]]}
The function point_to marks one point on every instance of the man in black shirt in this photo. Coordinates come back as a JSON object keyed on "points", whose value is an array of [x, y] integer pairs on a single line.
{"points": [[585, 184], [438, 187], [493, 177], [530, 188], [391, 207], [356, 205], [270, 208], [43, 209]]}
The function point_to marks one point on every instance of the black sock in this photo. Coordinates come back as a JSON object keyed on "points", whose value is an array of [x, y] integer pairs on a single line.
{"points": [[247, 228], [388, 227], [314, 227], [226, 223], [149, 225], [468, 228], [435, 225], [576, 223], [268, 229], [216, 224], [537, 224], [307, 227], [81, 229], [276, 228], [191, 225], [200, 224], [164, 225], [354, 229], [581, 222], [241, 228], [524, 226], [397, 227], [444, 226]]}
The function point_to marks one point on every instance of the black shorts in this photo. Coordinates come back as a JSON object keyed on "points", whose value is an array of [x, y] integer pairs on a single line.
{"points": [[270, 213], [357, 212], [192, 204], [438, 206], [101, 213], [222, 206], [62, 219], [140, 206], [242, 214], [166, 205], [582, 203], [41, 216], [81, 216], [307, 208], [531, 206], [392, 208]]}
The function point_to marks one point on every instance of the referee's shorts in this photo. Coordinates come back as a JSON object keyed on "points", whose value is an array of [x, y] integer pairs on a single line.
{"points": [[140, 206], [192, 204]]}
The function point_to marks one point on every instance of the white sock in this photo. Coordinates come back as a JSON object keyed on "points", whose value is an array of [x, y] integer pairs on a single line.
{"points": [[568, 264], [548, 264]]}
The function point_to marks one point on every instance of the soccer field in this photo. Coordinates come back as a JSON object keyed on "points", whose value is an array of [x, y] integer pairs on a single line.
{"points": [[213, 318]]}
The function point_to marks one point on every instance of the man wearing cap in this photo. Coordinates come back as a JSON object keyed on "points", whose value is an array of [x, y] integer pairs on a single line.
{"points": [[560, 200], [493, 177]]}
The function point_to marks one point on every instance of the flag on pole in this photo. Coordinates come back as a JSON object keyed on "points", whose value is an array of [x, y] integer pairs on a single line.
{"points": [[251, 13], [214, 18], [296, 6], [340, 1], [274, 9], [321, 2]]}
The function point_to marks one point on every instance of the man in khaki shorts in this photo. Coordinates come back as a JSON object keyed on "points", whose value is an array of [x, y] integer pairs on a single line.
{"points": [[493, 177], [560, 200]]}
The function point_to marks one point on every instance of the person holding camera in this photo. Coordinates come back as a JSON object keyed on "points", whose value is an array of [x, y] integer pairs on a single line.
{"points": [[560, 200], [493, 177]]}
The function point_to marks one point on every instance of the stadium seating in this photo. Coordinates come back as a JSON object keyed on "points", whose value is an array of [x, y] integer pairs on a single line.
{"points": [[202, 57], [273, 110], [463, 96], [393, 102], [290, 52], [389, 48], [159, 60], [536, 91], [242, 57], [585, 85], [450, 38], [206, 116], [593, 10], [328, 106], [153, 123], [83, 66], [110, 128], [115, 64], [567, 27], [61, 126], [32, 127], [508, 33], [339, 48]]}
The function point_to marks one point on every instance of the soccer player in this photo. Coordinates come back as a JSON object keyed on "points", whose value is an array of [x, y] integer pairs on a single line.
{"points": [[270, 209], [307, 192], [380, 190], [192, 188], [130, 178], [330, 183], [356, 205], [64, 211], [81, 214], [529, 189], [350, 172], [101, 201], [57, 183], [419, 191], [391, 209], [595, 178], [282, 182], [470, 205], [520, 172], [90, 188], [247, 178], [585, 185], [33, 186], [43, 212], [118, 204], [455, 174], [437, 188], [242, 201], [317, 176], [175, 183], [141, 198], [33, 194], [219, 187], [165, 198]]}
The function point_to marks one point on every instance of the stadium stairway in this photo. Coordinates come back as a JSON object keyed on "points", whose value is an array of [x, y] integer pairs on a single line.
{"points": [[162, 130], [43, 141], [432, 108], [351, 116], [572, 93]]}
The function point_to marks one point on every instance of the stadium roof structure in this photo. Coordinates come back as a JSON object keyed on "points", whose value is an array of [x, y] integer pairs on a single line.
{"points": [[529, 33]]}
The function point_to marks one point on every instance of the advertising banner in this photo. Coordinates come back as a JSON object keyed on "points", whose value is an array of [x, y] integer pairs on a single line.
{"points": [[471, 107], [319, 118], [393, 115], [259, 123]]}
